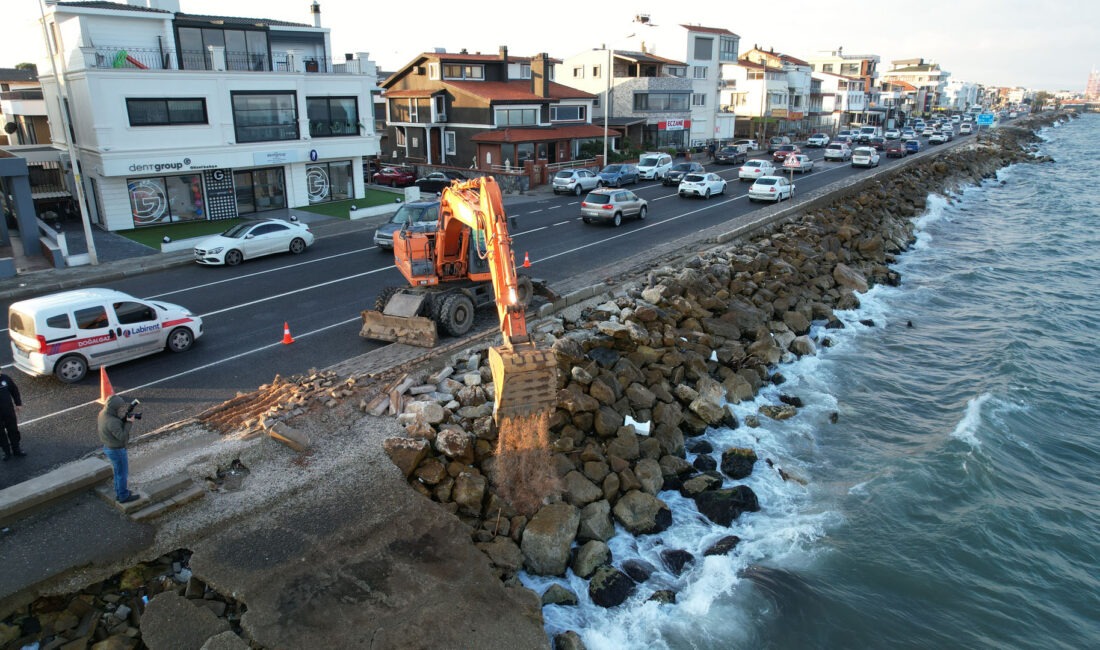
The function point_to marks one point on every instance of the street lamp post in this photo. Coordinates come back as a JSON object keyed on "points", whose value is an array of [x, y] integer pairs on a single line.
{"points": [[642, 19]]}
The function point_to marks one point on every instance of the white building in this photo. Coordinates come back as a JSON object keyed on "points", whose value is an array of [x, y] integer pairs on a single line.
{"points": [[961, 95], [707, 49], [926, 76], [758, 95], [843, 99], [180, 117]]}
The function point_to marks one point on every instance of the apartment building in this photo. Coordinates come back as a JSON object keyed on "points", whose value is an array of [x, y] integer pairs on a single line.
{"points": [[22, 109], [926, 76], [179, 117], [483, 111], [798, 77], [843, 100]]}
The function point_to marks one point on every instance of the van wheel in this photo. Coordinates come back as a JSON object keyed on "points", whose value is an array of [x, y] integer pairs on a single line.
{"points": [[71, 369], [233, 257], [180, 339]]}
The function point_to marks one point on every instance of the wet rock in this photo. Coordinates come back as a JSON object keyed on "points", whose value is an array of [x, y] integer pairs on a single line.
{"points": [[556, 594], [610, 587], [706, 481], [639, 570], [699, 447], [793, 400], [595, 522], [642, 513], [589, 557], [663, 596], [723, 506], [803, 346], [846, 276], [778, 411], [722, 546], [676, 559], [568, 640], [548, 537], [737, 462], [704, 463]]}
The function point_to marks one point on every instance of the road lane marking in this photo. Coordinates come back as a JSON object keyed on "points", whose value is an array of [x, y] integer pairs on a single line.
{"points": [[192, 370], [291, 293]]}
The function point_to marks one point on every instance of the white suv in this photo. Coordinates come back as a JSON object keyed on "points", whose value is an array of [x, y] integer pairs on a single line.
{"points": [[654, 166], [837, 151]]}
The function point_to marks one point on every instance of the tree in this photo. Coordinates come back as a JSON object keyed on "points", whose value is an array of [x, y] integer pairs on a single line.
{"points": [[27, 66]]}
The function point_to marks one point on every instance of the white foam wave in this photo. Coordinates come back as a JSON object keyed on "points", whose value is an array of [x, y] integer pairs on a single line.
{"points": [[967, 428]]}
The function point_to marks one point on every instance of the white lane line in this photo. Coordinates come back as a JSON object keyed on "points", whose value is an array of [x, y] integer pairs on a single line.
{"points": [[562, 223], [527, 232], [291, 293], [535, 211], [192, 370]]}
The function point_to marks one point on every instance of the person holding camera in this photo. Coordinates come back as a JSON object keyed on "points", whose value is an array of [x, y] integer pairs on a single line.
{"points": [[10, 405], [115, 420]]}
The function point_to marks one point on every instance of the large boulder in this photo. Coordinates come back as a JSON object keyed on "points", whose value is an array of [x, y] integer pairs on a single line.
{"points": [[609, 587], [848, 277], [642, 513], [676, 559], [589, 557], [737, 462], [406, 453], [548, 537], [723, 506], [648, 473], [580, 491], [456, 445], [469, 492], [556, 594], [595, 522], [172, 622]]}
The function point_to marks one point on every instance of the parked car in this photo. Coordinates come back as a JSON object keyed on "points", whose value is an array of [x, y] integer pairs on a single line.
{"points": [[937, 138], [746, 145], [771, 188], [438, 181], [817, 140], [250, 239], [606, 204], [913, 146], [777, 141], [892, 134], [394, 177], [784, 150], [676, 174], [730, 156], [618, 174], [654, 166], [575, 181], [966, 128], [837, 151], [704, 185], [865, 157], [753, 169], [799, 162], [417, 216], [896, 149]]}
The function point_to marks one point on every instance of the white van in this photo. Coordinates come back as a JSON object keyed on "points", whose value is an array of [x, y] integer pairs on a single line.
{"points": [[66, 334], [654, 166]]}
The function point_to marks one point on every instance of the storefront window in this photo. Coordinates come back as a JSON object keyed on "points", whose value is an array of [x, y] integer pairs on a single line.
{"points": [[259, 190], [166, 199], [329, 182]]}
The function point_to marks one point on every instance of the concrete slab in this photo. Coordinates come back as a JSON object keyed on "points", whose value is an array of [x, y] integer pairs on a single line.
{"points": [[40, 490]]}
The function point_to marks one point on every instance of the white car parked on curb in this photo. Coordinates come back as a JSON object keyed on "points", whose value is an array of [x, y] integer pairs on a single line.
{"points": [[771, 188]]}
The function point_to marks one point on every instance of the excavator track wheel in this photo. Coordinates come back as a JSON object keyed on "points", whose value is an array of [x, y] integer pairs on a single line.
{"points": [[384, 297], [457, 314]]}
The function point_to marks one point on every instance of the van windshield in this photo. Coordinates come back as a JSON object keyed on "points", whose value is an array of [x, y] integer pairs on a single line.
{"points": [[648, 161]]}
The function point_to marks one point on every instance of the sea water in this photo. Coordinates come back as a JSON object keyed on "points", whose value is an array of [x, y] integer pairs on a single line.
{"points": [[955, 500]]}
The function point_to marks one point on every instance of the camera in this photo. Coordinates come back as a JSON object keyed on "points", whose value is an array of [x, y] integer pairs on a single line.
{"points": [[130, 411]]}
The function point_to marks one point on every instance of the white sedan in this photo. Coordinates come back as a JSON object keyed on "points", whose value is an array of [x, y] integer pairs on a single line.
{"points": [[754, 169], [817, 140], [771, 188], [704, 185], [250, 239], [865, 157]]}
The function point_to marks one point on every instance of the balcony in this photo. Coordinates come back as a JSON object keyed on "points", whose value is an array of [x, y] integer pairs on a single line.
{"points": [[145, 58]]}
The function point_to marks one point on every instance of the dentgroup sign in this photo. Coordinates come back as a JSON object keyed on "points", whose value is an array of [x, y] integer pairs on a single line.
{"points": [[166, 165]]}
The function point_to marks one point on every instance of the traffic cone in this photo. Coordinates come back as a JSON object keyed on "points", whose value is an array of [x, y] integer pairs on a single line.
{"points": [[105, 388], [287, 338], [526, 260]]}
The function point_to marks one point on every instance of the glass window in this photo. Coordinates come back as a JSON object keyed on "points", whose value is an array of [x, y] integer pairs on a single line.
{"points": [[192, 53], [700, 71], [91, 318], [449, 145], [329, 182], [699, 99], [60, 321], [567, 113], [727, 49], [704, 48], [332, 116], [262, 117], [516, 116], [162, 112], [185, 200], [458, 71], [129, 313]]}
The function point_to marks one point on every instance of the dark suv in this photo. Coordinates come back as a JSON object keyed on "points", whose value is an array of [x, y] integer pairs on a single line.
{"points": [[730, 156], [679, 170]]}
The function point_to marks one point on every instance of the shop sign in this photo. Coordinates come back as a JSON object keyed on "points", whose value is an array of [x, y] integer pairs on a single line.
{"points": [[157, 166], [673, 125], [779, 112], [274, 157]]}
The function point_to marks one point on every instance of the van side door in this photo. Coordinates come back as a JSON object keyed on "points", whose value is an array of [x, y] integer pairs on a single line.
{"points": [[95, 337], [137, 329]]}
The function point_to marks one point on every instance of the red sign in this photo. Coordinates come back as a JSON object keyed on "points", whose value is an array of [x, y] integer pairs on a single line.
{"points": [[792, 162], [673, 125]]}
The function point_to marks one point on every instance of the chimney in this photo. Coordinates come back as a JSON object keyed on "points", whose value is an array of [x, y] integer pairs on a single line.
{"points": [[315, 8], [540, 75], [504, 53]]}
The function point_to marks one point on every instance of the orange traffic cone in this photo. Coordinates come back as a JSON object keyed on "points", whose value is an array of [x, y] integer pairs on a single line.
{"points": [[105, 388], [287, 338], [526, 260]]}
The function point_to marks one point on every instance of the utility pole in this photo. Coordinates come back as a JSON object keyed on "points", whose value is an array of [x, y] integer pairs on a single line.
{"points": [[62, 102]]}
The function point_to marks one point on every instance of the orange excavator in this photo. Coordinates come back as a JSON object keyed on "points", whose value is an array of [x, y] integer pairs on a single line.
{"points": [[465, 263]]}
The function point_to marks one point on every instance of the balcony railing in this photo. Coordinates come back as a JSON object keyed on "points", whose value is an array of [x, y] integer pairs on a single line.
{"points": [[131, 57], [120, 57], [15, 95]]}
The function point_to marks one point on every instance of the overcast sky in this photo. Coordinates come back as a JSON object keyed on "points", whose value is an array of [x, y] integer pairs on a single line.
{"points": [[1049, 45]]}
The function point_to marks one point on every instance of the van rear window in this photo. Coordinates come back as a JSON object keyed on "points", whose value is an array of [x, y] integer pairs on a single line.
{"points": [[21, 323]]}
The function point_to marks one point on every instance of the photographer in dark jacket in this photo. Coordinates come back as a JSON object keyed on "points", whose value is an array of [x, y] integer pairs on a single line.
{"points": [[115, 420], [10, 405]]}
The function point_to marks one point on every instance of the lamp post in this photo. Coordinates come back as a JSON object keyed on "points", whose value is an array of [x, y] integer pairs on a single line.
{"points": [[78, 181], [642, 19]]}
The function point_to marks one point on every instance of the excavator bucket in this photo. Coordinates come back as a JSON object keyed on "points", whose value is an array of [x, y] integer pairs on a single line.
{"points": [[399, 322], [525, 381]]}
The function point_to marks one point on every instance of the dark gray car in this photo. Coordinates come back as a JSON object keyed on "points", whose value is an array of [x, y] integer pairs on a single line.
{"points": [[420, 216]]}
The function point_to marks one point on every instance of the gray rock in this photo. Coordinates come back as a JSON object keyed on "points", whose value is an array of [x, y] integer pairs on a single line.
{"points": [[648, 473], [723, 506], [580, 491], [556, 594], [737, 462], [803, 346], [595, 522], [469, 492], [171, 622], [548, 537], [846, 276], [225, 641], [639, 570], [642, 513], [503, 553], [568, 640], [589, 557], [609, 587]]}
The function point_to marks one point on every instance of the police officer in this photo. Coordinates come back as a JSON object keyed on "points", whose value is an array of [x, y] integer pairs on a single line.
{"points": [[10, 405]]}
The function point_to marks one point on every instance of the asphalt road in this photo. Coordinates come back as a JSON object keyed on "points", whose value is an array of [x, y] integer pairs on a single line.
{"points": [[320, 294]]}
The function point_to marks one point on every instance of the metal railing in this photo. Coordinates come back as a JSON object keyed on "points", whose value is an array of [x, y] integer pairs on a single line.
{"points": [[132, 57], [21, 94], [120, 57]]}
